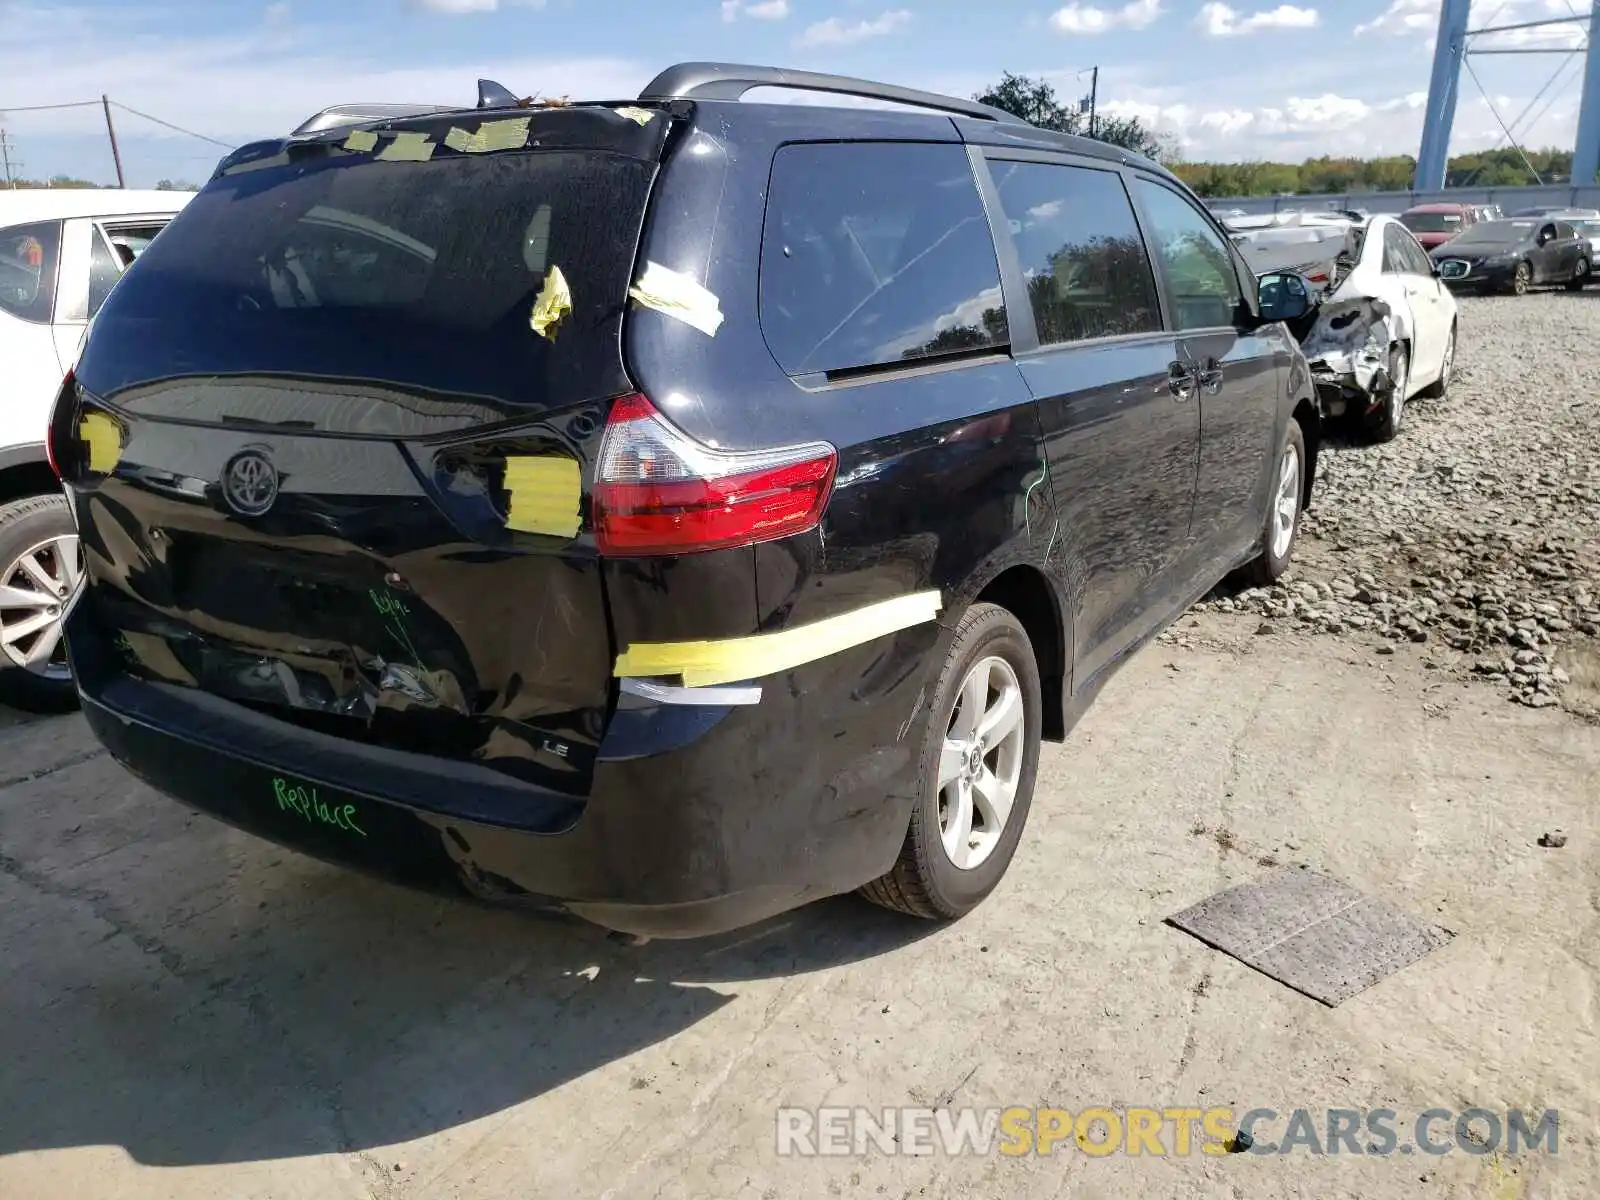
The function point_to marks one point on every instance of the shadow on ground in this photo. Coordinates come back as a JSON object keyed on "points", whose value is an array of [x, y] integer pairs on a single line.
{"points": [[197, 996]]}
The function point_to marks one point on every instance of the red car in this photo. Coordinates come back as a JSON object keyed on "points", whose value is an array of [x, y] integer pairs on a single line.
{"points": [[1436, 224]]}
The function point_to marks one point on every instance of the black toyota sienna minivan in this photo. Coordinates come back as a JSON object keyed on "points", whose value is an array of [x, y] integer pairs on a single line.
{"points": [[666, 511]]}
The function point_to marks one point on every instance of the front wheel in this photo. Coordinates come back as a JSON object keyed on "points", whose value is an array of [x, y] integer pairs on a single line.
{"points": [[40, 568], [980, 755], [1522, 280], [1283, 513], [1580, 276]]}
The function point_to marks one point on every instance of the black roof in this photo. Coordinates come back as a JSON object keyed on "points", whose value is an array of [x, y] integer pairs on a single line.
{"points": [[713, 82]]}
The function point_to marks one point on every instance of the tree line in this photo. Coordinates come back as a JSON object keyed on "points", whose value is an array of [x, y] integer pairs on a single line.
{"points": [[1035, 101]]}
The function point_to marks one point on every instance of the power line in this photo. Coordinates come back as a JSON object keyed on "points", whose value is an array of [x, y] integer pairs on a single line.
{"points": [[171, 126], [47, 107], [1495, 112]]}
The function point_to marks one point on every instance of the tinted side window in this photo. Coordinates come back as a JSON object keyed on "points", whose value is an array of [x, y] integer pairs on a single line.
{"points": [[1393, 253], [28, 255], [1199, 269], [875, 254], [104, 270], [1563, 230], [1416, 258], [1080, 251]]}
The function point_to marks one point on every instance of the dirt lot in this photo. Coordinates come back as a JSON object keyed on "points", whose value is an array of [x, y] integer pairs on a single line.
{"points": [[188, 1012]]}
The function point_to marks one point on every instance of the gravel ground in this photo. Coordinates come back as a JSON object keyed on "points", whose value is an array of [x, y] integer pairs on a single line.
{"points": [[1477, 530]]}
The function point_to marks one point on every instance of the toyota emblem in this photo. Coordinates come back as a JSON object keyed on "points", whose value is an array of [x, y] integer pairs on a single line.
{"points": [[250, 483]]}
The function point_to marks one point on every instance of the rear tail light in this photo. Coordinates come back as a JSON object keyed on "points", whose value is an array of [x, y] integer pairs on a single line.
{"points": [[60, 415], [658, 491]]}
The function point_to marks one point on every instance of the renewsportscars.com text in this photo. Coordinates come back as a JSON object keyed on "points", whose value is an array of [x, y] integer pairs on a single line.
{"points": [[1167, 1131]]}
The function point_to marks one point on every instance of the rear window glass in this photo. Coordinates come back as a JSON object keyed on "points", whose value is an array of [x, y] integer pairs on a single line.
{"points": [[875, 254], [418, 275], [1431, 222], [28, 256], [1079, 246]]}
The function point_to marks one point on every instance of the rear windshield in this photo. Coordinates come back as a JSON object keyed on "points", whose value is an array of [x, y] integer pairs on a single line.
{"points": [[416, 275], [1431, 222]]}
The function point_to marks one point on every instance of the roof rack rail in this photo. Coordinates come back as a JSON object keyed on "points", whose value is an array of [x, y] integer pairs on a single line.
{"points": [[342, 115], [730, 81]]}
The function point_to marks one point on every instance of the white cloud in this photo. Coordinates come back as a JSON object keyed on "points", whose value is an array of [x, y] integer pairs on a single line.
{"points": [[276, 14], [457, 8], [837, 32], [1404, 16], [759, 10], [1331, 124], [1087, 19], [1219, 20]]}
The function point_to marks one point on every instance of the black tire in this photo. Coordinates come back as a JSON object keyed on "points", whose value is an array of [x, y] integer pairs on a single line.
{"points": [[925, 882], [1268, 566], [1521, 279], [1437, 389], [1579, 276], [24, 524], [1383, 423]]}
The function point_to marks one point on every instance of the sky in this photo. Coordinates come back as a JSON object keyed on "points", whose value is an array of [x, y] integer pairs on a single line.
{"points": [[1243, 80]]}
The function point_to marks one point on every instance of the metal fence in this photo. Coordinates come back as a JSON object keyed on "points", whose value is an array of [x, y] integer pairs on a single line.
{"points": [[1508, 198]]}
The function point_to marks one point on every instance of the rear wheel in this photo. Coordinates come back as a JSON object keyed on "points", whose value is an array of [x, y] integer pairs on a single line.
{"points": [[1383, 423], [1579, 276], [980, 755], [40, 566]]}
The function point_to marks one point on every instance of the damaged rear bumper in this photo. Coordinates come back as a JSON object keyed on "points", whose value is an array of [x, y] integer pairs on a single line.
{"points": [[700, 819]]}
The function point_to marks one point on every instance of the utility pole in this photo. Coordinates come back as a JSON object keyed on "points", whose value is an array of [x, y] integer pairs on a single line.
{"points": [[111, 130], [1094, 94], [5, 155]]}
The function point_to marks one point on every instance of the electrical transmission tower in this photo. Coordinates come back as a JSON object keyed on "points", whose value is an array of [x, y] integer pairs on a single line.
{"points": [[1454, 49]]}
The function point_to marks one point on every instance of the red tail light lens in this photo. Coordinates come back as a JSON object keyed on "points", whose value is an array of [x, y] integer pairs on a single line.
{"points": [[658, 491], [61, 414]]}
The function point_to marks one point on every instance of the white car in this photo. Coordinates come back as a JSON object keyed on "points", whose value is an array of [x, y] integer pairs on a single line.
{"points": [[1384, 330], [61, 250]]}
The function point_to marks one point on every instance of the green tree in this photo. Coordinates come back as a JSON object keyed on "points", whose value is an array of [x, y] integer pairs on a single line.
{"points": [[1034, 100]]}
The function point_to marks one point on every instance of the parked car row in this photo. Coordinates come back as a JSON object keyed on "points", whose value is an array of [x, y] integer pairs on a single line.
{"points": [[679, 559]]}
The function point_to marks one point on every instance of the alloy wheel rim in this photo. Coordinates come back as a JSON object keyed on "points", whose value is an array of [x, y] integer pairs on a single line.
{"points": [[35, 589], [1522, 278], [1449, 359], [980, 763], [1286, 505]]}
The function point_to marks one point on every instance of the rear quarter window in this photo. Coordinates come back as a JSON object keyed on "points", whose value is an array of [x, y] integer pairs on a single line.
{"points": [[28, 256], [876, 254]]}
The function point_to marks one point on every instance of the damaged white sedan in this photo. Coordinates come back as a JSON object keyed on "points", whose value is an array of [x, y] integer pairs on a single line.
{"points": [[1383, 330]]}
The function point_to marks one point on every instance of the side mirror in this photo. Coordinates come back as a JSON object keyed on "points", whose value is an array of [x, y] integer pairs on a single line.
{"points": [[1283, 296]]}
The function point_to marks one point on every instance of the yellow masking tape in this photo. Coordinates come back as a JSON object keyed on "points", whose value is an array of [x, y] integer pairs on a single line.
{"points": [[678, 295], [407, 147], [639, 116], [546, 495], [702, 664], [554, 302], [103, 437], [361, 140], [510, 134]]}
